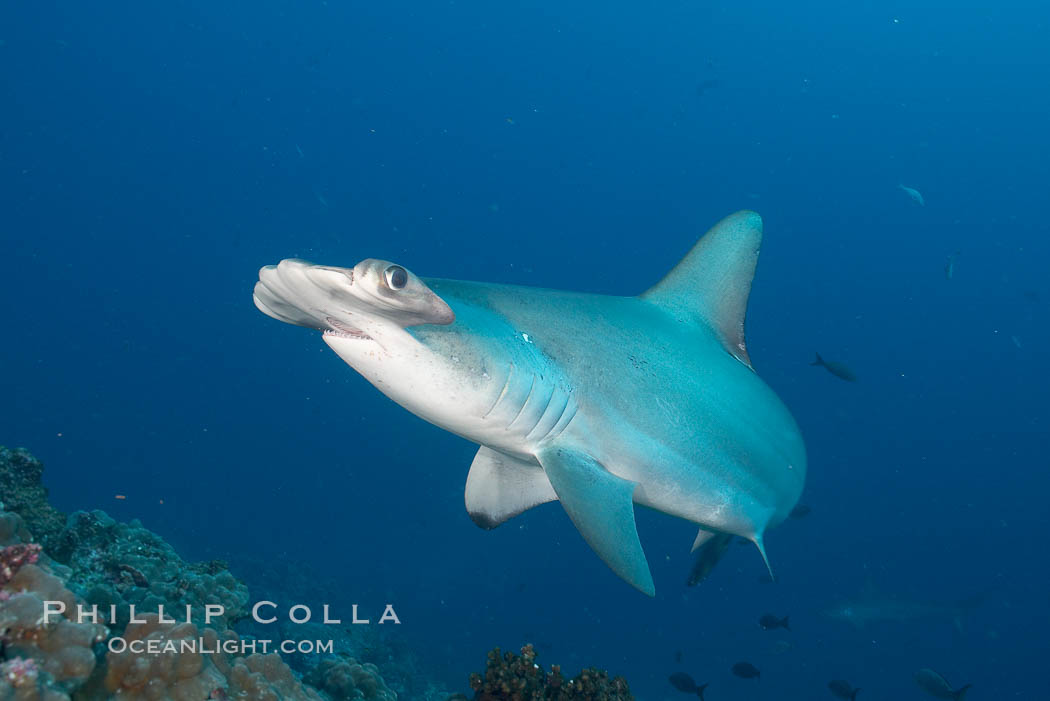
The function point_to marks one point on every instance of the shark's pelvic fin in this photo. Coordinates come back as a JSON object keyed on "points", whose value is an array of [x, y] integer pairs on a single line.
{"points": [[713, 281], [761, 545], [500, 487], [601, 505]]}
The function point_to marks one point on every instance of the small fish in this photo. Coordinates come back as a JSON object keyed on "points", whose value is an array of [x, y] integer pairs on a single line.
{"points": [[678, 656], [707, 557], [800, 511], [684, 683], [771, 622], [842, 690], [937, 686], [949, 267], [1031, 295], [914, 194], [300, 151], [1016, 340], [782, 646], [706, 85], [746, 670], [839, 370]]}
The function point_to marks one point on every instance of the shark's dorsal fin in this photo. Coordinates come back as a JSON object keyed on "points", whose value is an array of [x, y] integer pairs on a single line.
{"points": [[713, 281], [500, 487]]}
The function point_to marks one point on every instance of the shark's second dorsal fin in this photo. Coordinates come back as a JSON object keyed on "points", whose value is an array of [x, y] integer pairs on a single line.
{"points": [[713, 281]]}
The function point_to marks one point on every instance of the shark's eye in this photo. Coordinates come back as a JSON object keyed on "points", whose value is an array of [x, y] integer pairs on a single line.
{"points": [[396, 277]]}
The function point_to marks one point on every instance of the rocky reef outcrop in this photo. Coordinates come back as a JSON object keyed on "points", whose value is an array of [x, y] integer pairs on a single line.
{"points": [[518, 677]]}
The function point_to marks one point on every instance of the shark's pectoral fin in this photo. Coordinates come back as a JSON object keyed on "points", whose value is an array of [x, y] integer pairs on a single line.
{"points": [[500, 487], [602, 507], [713, 281]]}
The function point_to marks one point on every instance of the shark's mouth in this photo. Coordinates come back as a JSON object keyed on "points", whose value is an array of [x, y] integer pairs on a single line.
{"points": [[341, 330]]}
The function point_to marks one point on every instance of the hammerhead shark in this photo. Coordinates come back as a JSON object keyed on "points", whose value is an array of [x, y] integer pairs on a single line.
{"points": [[598, 402], [873, 607]]}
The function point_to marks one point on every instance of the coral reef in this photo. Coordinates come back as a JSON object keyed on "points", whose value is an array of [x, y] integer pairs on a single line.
{"points": [[200, 670], [25, 494], [345, 679], [510, 677], [113, 563], [124, 563], [13, 557], [56, 658]]}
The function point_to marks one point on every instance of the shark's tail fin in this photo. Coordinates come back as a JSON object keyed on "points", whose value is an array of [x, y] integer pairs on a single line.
{"points": [[961, 692], [784, 623], [853, 696], [818, 361], [700, 691]]}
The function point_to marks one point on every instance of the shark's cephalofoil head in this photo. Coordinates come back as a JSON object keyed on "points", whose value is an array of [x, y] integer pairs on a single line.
{"points": [[348, 302], [389, 326]]}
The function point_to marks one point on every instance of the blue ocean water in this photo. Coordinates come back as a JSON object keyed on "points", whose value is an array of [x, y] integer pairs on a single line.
{"points": [[153, 157]]}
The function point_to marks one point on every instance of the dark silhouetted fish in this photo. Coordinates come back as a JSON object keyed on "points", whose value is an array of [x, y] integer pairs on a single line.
{"points": [[839, 370], [707, 556], [705, 85], [1030, 295], [684, 683], [937, 686], [800, 511], [746, 670], [842, 689], [771, 622]]}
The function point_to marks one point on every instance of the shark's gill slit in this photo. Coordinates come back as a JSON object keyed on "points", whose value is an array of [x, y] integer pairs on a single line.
{"points": [[549, 419], [503, 392], [543, 412], [565, 420], [532, 388]]}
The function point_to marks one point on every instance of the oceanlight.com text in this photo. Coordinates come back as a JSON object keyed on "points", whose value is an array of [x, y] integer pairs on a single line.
{"points": [[153, 646]]}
